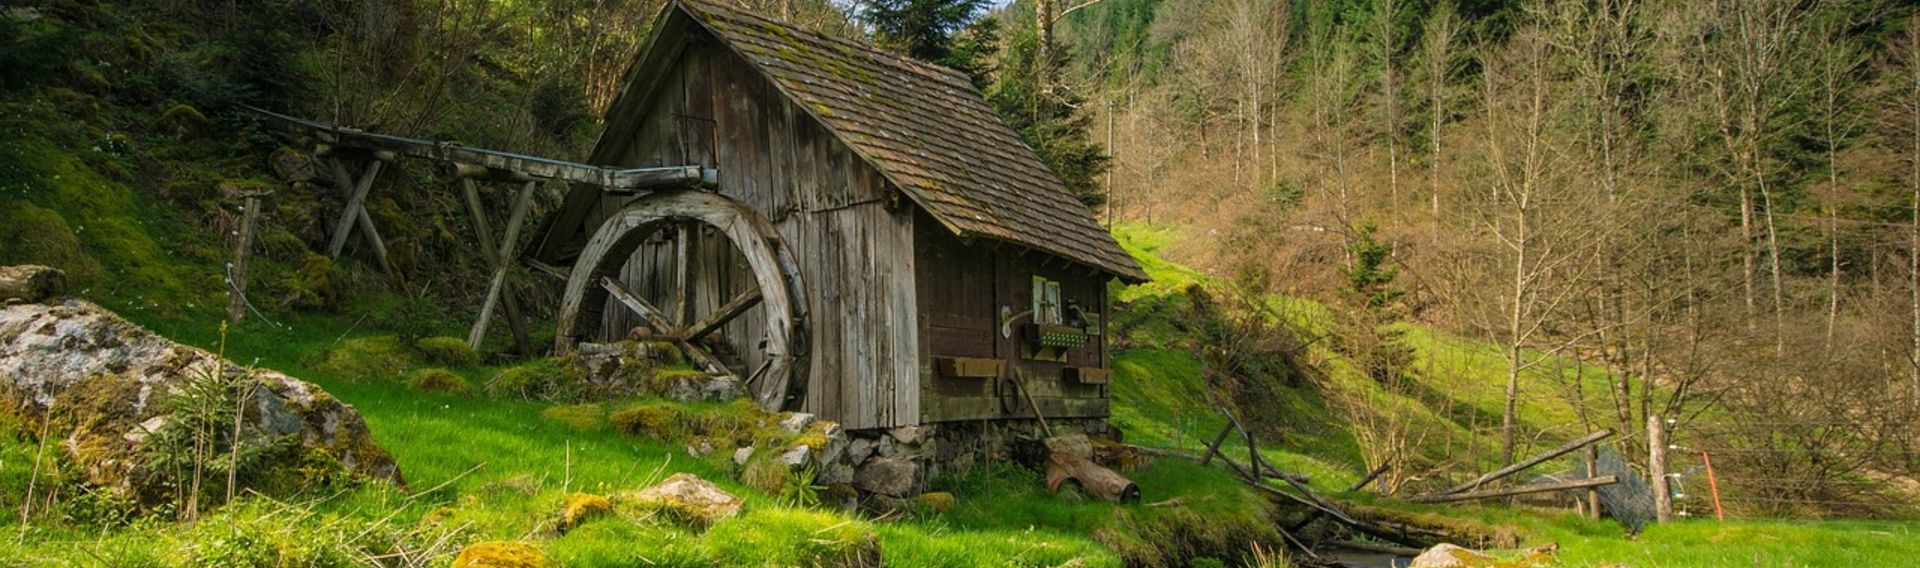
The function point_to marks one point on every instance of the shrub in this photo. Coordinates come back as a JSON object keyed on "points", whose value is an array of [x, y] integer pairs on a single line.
{"points": [[449, 351], [437, 380]]}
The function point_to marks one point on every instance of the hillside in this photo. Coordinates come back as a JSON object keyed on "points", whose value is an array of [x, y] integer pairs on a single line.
{"points": [[123, 139]]}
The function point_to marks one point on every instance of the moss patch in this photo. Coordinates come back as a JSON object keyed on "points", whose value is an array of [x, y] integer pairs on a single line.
{"points": [[30, 234], [589, 417], [368, 358], [501, 554], [437, 380], [448, 351]]}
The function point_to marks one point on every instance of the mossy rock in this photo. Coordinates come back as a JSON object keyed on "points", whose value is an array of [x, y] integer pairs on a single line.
{"points": [[448, 351], [588, 417], [30, 234], [501, 554], [659, 421], [542, 379], [935, 502], [184, 121], [437, 380], [582, 507], [367, 358]]}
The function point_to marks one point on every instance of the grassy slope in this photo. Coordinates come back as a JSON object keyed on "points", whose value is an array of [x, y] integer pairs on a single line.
{"points": [[1161, 399]]}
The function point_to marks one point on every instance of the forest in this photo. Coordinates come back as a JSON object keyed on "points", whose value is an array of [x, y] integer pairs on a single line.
{"points": [[1395, 251]]}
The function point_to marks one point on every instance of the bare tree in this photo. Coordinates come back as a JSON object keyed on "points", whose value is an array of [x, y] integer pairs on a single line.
{"points": [[1438, 63]]}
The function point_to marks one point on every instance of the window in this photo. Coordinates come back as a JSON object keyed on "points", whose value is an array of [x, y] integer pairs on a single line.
{"points": [[1046, 301]]}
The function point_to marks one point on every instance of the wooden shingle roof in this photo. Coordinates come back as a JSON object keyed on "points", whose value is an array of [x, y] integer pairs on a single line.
{"points": [[928, 131]]}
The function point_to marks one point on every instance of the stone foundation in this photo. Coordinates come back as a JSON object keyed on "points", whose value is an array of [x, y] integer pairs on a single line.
{"points": [[902, 462]]}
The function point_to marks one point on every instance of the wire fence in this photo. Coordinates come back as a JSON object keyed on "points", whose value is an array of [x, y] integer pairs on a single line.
{"points": [[1760, 470]]}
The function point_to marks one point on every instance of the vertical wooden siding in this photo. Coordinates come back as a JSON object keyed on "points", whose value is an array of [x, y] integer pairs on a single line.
{"points": [[856, 254], [963, 287]]}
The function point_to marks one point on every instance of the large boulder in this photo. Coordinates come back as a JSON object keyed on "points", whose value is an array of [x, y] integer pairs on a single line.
{"points": [[119, 400]]}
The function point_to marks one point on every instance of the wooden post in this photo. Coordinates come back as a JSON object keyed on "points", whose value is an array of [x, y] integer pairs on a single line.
{"points": [[242, 258], [1713, 484], [1657, 469], [1593, 470]]}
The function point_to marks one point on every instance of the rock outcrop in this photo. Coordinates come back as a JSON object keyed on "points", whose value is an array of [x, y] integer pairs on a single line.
{"points": [[111, 394], [688, 500]]}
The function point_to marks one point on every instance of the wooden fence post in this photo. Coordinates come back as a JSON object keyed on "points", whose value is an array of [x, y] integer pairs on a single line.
{"points": [[1657, 469], [242, 255], [1713, 484], [1593, 470]]}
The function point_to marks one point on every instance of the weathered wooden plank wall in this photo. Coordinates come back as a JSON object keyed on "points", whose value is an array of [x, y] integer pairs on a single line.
{"points": [[856, 254], [963, 287]]}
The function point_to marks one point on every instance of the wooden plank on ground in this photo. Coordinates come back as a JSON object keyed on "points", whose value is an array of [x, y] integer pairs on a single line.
{"points": [[1518, 490]]}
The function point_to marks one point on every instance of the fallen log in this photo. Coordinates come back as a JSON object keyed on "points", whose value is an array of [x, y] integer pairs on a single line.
{"points": [[1376, 548], [1268, 471], [1519, 490], [1529, 462]]}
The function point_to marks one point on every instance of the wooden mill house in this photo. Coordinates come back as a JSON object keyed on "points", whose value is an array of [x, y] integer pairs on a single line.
{"points": [[874, 245]]}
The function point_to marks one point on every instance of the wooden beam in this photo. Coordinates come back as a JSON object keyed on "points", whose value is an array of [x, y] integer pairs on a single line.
{"points": [[617, 180], [1529, 462], [356, 200], [704, 359], [653, 315], [1371, 475], [738, 305], [684, 249], [1518, 490], [1214, 447]]}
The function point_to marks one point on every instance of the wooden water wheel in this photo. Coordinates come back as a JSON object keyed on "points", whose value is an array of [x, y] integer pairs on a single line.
{"points": [[778, 381]]}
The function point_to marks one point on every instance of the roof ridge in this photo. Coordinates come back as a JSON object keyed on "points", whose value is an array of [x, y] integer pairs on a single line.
{"points": [[928, 68]]}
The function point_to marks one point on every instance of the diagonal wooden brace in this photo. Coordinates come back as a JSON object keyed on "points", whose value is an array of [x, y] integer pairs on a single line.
{"points": [[499, 259], [355, 212]]}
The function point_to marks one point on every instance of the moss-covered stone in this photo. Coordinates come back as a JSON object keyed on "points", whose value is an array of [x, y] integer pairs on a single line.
{"points": [[582, 507], [368, 358], [184, 121], [448, 351], [437, 380], [501, 554], [30, 234]]}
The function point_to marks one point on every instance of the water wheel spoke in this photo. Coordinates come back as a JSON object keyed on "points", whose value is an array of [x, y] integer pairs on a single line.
{"points": [[652, 314], [706, 361], [719, 318], [686, 245]]}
